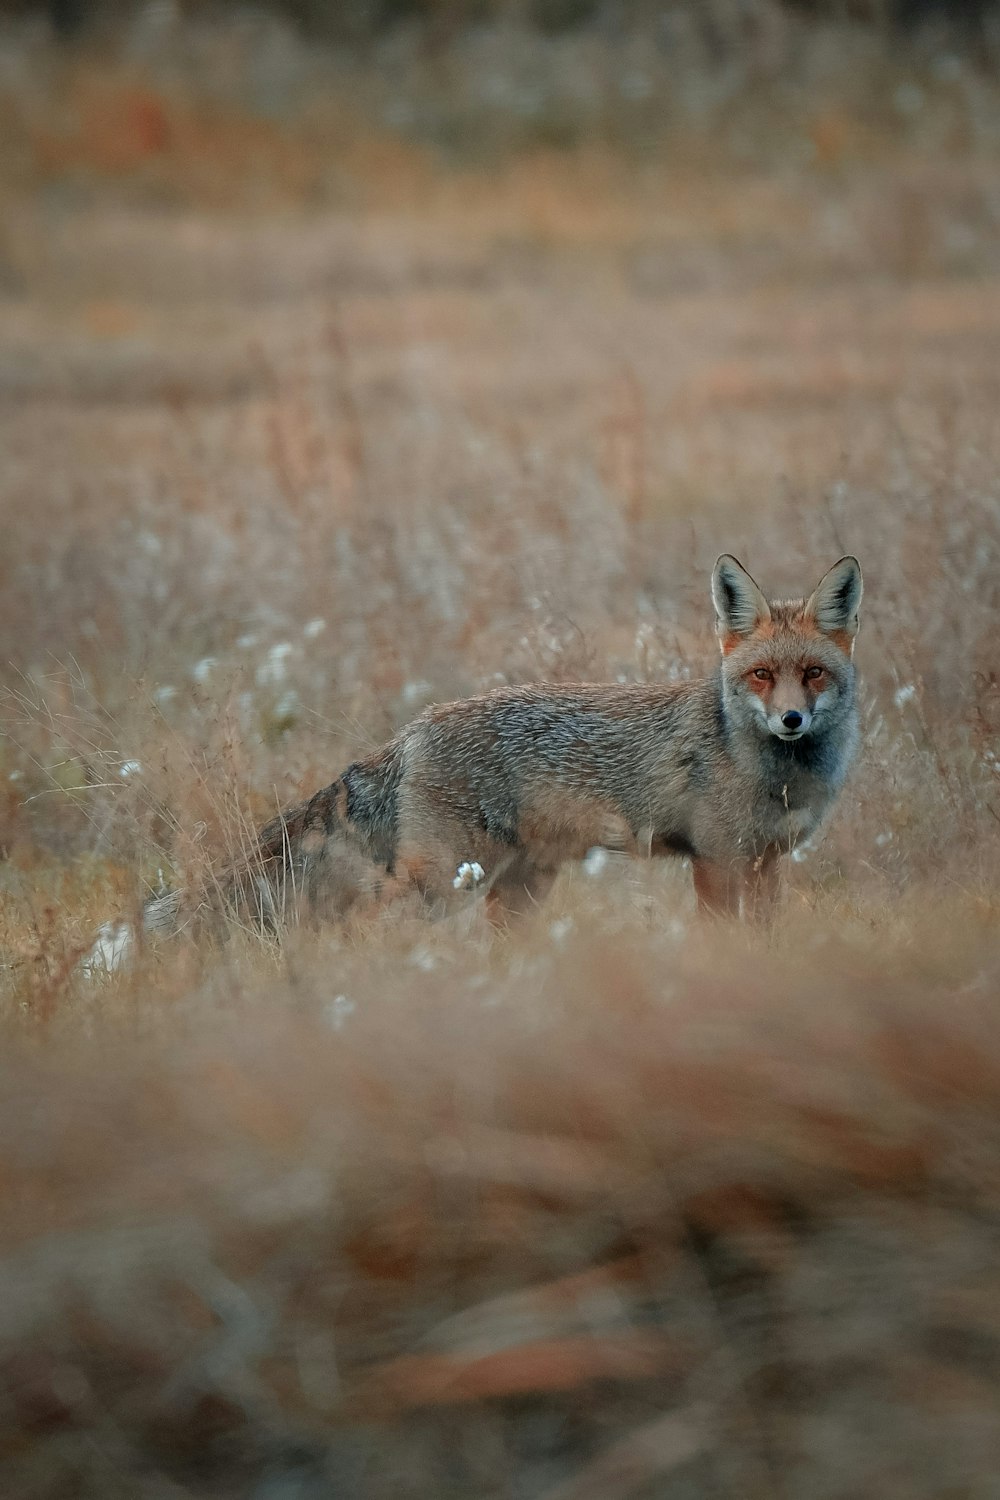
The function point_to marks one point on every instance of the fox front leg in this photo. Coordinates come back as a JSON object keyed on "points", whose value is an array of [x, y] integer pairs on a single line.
{"points": [[519, 892], [761, 889], [717, 887]]}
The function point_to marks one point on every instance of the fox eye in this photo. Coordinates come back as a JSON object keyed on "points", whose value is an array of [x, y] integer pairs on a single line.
{"points": [[762, 674], [814, 672]]}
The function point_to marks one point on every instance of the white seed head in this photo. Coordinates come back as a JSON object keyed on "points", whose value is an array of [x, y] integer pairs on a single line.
{"points": [[417, 691], [468, 875], [202, 670], [112, 948], [338, 1010], [595, 861], [273, 669]]}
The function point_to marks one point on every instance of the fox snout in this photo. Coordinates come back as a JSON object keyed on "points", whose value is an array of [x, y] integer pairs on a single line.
{"points": [[791, 724], [782, 699], [788, 708]]}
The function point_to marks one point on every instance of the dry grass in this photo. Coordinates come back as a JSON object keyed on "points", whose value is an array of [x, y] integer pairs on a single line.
{"points": [[613, 1206]]}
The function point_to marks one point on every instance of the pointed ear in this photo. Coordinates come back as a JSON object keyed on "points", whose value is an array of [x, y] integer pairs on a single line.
{"points": [[835, 601], [739, 603]]}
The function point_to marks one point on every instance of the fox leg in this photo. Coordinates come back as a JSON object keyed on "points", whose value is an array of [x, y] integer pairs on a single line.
{"points": [[760, 893], [717, 887], [428, 870], [447, 870], [455, 873], [518, 892]]}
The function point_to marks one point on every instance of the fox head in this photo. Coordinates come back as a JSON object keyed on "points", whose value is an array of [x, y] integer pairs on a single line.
{"points": [[787, 666]]}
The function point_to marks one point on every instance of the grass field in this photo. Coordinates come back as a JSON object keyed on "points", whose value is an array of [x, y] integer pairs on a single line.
{"points": [[306, 424]]}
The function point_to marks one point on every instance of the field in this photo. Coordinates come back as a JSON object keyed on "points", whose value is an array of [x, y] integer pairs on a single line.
{"points": [[308, 422]]}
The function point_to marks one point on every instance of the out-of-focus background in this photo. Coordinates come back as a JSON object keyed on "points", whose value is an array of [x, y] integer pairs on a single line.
{"points": [[358, 356]]}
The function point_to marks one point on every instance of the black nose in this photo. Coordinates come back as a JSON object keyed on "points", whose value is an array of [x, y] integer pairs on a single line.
{"points": [[791, 719]]}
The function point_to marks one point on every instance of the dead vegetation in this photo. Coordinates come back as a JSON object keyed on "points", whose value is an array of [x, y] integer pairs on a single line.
{"points": [[613, 1206]]}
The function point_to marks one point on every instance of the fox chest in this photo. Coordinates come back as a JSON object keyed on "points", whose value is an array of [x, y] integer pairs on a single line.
{"points": [[780, 821]]}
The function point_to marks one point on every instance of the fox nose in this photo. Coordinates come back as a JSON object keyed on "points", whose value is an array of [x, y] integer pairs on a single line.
{"points": [[792, 719]]}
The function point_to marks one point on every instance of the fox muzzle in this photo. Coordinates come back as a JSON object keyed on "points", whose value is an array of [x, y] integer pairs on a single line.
{"points": [[791, 725]]}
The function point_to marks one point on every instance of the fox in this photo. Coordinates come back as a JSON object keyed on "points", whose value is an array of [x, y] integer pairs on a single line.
{"points": [[497, 792]]}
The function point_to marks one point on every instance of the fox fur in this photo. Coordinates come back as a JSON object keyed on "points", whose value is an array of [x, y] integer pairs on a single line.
{"points": [[730, 771]]}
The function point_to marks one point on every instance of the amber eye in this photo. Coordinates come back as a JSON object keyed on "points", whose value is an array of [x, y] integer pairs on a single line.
{"points": [[814, 672], [762, 674]]}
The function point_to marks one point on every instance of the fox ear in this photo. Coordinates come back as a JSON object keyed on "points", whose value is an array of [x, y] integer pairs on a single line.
{"points": [[835, 600], [739, 603]]}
